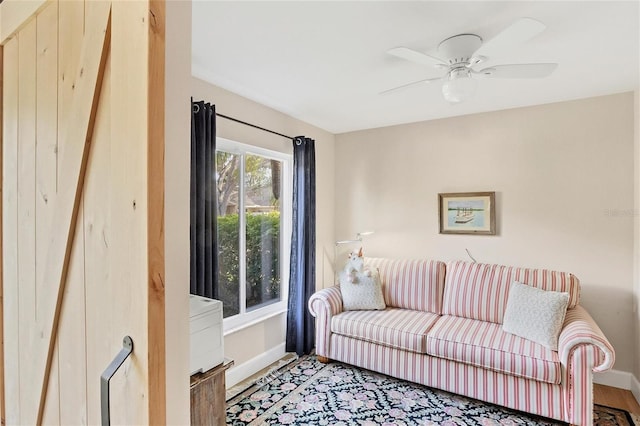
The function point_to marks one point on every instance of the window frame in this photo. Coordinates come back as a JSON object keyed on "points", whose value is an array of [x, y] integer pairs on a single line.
{"points": [[245, 318]]}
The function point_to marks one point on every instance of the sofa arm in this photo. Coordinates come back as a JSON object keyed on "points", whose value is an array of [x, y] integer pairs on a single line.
{"points": [[580, 329], [324, 304], [582, 349]]}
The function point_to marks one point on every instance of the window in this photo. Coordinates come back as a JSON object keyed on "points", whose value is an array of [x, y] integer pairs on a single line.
{"points": [[254, 215]]}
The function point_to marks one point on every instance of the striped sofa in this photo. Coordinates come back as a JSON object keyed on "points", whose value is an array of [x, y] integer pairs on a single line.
{"points": [[442, 328]]}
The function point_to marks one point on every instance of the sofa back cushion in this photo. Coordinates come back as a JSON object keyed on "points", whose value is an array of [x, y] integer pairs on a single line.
{"points": [[480, 291], [411, 284]]}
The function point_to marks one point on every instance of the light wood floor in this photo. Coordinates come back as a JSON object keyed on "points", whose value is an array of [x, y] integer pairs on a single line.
{"points": [[615, 397]]}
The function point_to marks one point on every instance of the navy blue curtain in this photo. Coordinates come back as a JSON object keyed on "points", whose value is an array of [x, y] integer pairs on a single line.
{"points": [[204, 234], [302, 278]]}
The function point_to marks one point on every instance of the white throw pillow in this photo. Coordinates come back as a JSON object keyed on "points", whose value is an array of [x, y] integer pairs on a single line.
{"points": [[535, 314], [364, 293]]}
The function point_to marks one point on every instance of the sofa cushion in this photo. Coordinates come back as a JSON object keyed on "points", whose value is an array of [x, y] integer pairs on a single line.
{"points": [[396, 328], [535, 314], [480, 291], [364, 293], [411, 284], [485, 344]]}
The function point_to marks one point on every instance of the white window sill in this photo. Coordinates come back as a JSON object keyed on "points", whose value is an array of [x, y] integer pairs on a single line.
{"points": [[253, 322]]}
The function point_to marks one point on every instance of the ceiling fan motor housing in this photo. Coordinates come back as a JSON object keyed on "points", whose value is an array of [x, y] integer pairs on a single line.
{"points": [[459, 49]]}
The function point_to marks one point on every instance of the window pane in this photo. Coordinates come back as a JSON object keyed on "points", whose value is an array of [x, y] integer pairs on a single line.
{"points": [[262, 207], [228, 188]]}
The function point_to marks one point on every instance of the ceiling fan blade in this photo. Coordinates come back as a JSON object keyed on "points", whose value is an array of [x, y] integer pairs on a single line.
{"points": [[404, 86], [519, 71], [520, 31], [415, 56]]}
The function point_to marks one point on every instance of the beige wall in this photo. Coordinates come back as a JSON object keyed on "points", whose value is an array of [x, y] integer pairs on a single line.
{"points": [[564, 180], [177, 192], [252, 342], [636, 233]]}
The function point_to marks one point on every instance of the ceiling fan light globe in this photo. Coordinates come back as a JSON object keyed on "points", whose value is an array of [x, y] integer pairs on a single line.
{"points": [[459, 87]]}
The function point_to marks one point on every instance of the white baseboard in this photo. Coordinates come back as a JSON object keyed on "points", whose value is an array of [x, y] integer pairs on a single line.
{"points": [[615, 378], [238, 373], [635, 388], [619, 379]]}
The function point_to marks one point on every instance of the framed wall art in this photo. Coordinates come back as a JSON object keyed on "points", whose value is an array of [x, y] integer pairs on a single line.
{"points": [[467, 213]]}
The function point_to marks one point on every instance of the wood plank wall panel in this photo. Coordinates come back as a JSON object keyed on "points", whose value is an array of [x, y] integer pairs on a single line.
{"points": [[155, 225], [97, 234], [46, 130], [76, 140], [128, 183], [29, 333], [72, 362], [46, 161], [11, 330], [103, 312], [71, 346], [115, 283], [71, 25], [16, 14], [1, 273]]}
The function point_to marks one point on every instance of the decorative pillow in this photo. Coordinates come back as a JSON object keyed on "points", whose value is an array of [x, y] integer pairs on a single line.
{"points": [[362, 291], [535, 314]]}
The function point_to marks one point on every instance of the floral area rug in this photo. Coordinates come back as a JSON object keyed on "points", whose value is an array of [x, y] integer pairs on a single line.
{"points": [[307, 392]]}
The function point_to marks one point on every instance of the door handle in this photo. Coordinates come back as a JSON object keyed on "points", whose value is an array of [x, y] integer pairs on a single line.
{"points": [[107, 374]]}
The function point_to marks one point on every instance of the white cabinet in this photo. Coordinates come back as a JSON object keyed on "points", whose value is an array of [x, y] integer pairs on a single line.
{"points": [[205, 329]]}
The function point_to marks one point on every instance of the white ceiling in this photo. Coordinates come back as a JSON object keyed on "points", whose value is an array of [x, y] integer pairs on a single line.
{"points": [[324, 62]]}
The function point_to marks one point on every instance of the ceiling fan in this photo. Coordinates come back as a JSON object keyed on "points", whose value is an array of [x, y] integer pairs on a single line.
{"points": [[461, 54]]}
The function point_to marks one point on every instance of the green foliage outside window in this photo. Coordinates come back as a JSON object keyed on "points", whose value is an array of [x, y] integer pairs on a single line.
{"points": [[263, 260]]}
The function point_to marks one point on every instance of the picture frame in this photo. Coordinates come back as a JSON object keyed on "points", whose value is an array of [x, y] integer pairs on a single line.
{"points": [[471, 213]]}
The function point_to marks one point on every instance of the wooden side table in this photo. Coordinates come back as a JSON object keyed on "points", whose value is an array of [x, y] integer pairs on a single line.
{"points": [[208, 396]]}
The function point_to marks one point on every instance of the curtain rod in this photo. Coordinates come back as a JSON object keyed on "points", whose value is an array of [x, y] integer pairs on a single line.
{"points": [[252, 125]]}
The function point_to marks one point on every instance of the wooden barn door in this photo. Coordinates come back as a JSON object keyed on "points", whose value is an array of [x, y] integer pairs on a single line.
{"points": [[82, 211]]}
